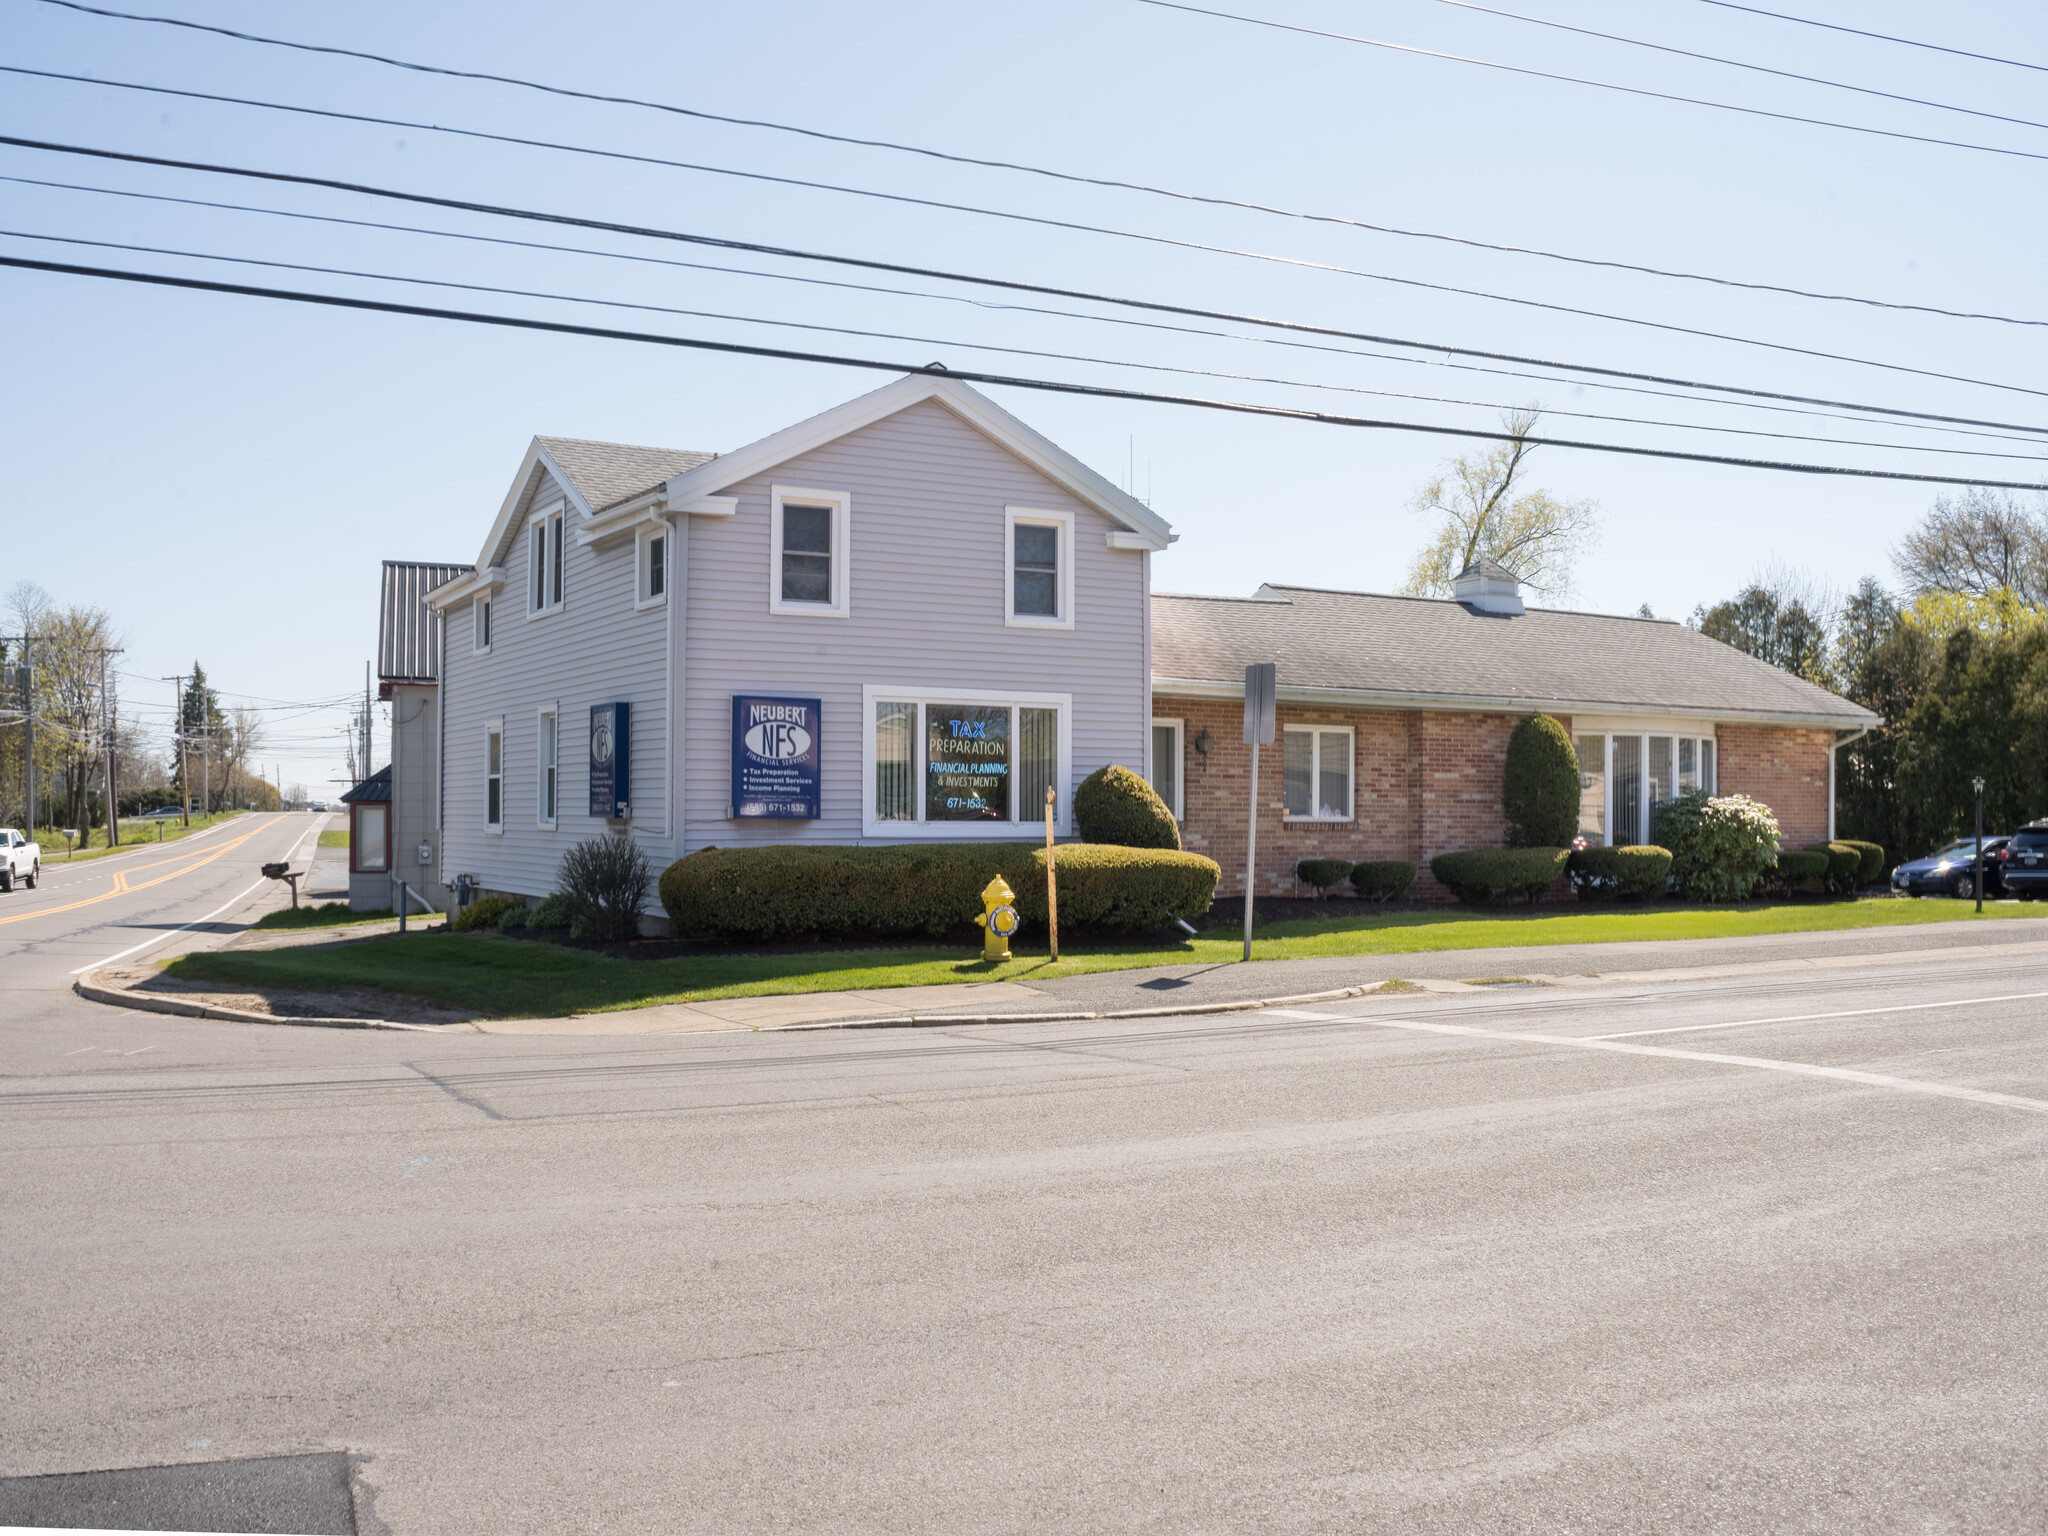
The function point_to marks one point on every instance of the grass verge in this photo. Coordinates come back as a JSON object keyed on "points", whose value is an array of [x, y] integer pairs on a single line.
{"points": [[332, 914], [334, 839], [136, 832], [504, 978]]}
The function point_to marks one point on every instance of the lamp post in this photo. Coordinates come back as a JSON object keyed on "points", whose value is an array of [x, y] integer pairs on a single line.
{"points": [[1978, 785]]}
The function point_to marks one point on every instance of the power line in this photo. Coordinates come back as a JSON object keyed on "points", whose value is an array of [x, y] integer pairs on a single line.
{"points": [[1882, 37], [1015, 285], [1762, 69], [1049, 386], [1291, 342], [1046, 222], [981, 346], [950, 157], [1545, 74]]}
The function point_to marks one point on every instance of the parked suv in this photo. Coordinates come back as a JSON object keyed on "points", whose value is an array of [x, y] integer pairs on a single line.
{"points": [[2023, 862], [1952, 871]]}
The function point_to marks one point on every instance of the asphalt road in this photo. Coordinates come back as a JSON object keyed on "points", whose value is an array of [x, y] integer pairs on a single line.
{"points": [[1437, 1264]]}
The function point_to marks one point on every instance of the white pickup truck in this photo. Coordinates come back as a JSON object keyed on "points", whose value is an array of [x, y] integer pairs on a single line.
{"points": [[20, 860]]}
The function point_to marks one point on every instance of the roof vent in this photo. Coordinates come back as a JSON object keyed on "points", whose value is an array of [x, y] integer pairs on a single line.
{"points": [[1488, 588]]}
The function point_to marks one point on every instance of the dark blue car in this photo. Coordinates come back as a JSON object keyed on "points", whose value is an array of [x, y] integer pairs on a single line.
{"points": [[2023, 862], [1951, 871]]}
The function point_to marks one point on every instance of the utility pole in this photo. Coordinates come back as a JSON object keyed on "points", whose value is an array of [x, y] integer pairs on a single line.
{"points": [[178, 735], [26, 674], [107, 718], [367, 765]]}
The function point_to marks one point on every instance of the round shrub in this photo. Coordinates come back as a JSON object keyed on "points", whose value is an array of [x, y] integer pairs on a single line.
{"points": [[1844, 865], [1798, 868], [1608, 873], [515, 919], [752, 895], [1115, 805], [1720, 846], [1486, 876], [484, 912], [1540, 785], [1320, 874], [1383, 879], [1872, 868], [553, 912]]}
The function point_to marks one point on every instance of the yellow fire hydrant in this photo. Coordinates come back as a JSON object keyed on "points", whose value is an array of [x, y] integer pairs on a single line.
{"points": [[998, 918]]}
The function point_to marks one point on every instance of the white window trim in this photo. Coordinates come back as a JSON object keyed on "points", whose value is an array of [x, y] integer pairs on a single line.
{"points": [[541, 821], [494, 727], [1646, 813], [643, 569], [555, 512], [963, 831], [480, 618], [1180, 765], [1032, 516], [1315, 773], [841, 503]]}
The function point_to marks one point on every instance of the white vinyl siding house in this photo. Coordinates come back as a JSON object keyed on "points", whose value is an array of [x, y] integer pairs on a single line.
{"points": [[916, 561]]}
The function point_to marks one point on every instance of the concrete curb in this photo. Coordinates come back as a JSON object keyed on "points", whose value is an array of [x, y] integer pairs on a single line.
{"points": [[927, 1020], [116, 997]]}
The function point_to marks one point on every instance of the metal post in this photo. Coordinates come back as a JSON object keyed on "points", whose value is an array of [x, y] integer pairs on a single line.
{"points": [[1260, 685], [113, 761], [1978, 785], [1052, 890], [1251, 852], [178, 735]]}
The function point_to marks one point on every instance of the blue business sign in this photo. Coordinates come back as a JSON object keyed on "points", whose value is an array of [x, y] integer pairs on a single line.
{"points": [[774, 757], [611, 759]]}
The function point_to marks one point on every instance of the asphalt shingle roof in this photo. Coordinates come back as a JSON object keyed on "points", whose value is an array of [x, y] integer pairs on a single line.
{"points": [[1429, 648], [605, 474]]}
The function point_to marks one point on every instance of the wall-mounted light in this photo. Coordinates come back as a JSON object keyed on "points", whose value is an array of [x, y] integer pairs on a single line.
{"points": [[1204, 742]]}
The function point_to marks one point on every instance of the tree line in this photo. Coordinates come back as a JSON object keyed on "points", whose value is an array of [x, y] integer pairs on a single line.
{"points": [[62, 730]]}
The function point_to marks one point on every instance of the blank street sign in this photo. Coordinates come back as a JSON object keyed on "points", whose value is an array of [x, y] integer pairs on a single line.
{"points": [[1260, 682]]}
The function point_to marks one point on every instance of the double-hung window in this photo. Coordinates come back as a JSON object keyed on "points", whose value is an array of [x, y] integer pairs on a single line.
{"points": [[961, 762], [494, 776], [1168, 774], [808, 564], [480, 626], [1039, 562], [1316, 772], [548, 780], [545, 553]]}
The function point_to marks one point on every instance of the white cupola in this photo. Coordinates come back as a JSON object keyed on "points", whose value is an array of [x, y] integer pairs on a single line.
{"points": [[1488, 588]]}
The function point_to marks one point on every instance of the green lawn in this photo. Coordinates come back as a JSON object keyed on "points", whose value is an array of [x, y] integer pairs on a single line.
{"points": [[334, 839], [506, 978], [135, 832], [332, 914]]}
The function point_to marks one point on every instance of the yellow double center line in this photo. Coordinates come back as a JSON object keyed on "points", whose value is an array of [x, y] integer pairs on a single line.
{"points": [[123, 884]]}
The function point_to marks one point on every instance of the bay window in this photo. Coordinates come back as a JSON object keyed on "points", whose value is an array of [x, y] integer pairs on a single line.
{"points": [[961, 763]]}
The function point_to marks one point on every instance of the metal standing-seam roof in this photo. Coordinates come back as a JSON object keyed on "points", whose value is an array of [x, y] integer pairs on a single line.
{"points": [[607, 473], [1411, 651], [408, 632]]}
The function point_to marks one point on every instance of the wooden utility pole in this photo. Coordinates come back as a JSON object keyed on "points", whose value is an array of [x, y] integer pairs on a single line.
{"points": [[178, 735]]}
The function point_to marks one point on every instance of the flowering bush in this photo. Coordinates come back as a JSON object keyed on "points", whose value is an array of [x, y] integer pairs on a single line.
{"points": [[1720, 845]]}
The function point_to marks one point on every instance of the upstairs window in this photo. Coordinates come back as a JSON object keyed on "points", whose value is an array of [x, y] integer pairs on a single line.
{"points": [[1039, 560], [480, 626], [808, 566], [544, 560], [650, 565]]}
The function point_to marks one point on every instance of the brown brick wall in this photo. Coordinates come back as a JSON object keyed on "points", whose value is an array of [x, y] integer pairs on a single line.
{"points": [[1787, 769], [1427, 782]]}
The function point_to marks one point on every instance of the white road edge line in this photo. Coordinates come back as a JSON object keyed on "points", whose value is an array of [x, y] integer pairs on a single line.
{"points": [[160, 938], [1807, 1018], [1761, 1063]]}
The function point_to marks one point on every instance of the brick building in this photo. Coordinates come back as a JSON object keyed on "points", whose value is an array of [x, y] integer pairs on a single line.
{"points": [[1394, 715]]}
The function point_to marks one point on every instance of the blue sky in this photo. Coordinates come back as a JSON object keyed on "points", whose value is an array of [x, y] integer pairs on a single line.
{"points": [[225, 474]]}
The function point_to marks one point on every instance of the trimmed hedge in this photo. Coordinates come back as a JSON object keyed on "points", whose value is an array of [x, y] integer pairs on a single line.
{"points": [[1798, 868], [1844, 865], [1383, 879], [484, 912], [1540, 784], [1115, 805], [1601, 874], [752, 895], [1872, 869], [1321, 874], [1482, 876]]}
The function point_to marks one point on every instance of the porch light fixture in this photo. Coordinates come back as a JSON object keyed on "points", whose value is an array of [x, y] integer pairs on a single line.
{"points": [[1203, 742]]}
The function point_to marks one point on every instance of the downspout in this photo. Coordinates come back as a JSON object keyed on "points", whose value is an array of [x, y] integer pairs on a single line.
{"points": [[1841, 741]]}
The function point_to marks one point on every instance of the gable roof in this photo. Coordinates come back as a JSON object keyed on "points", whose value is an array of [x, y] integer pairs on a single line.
{"points": [[1366, 647], [604, 474], [1144, 528], [408, 639]]}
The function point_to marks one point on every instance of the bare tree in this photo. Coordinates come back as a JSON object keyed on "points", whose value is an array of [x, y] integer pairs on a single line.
{"points": [[1976, 543], [1482, 511], [1785, 616], [244, 741]]}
